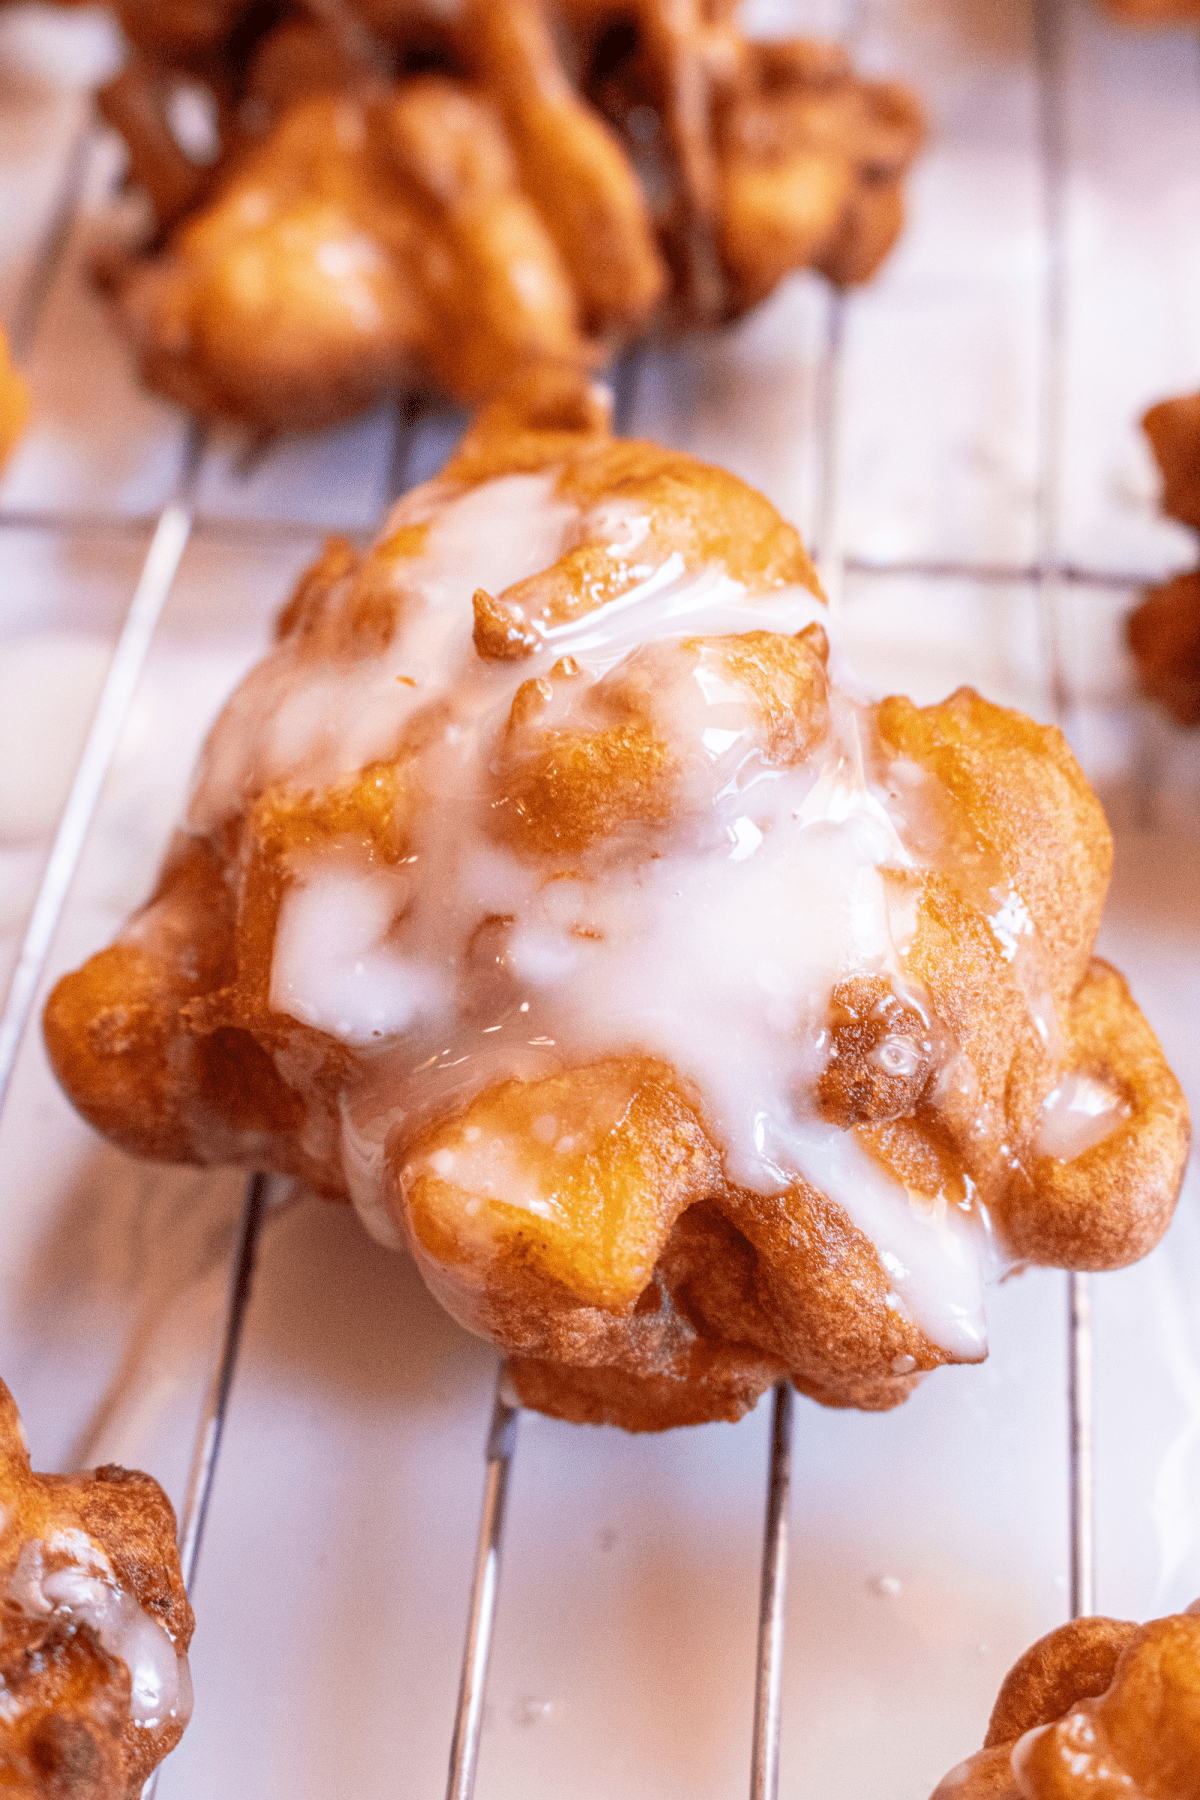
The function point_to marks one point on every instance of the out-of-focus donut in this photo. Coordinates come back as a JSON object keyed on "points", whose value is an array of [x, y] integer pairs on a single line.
{"points": [[407, 196]]}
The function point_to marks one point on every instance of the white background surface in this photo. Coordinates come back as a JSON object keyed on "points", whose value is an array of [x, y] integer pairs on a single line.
{"points": [[929, 1545]]}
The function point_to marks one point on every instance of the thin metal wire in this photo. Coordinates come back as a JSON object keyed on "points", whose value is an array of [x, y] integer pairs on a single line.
{"points": [[222, 528], [625, 379], [1048, 34], [1048, 579], [772, 1609], [485, 1583], [1004, 574], [212, 1420], [826, 546], [1083, 1461], [230, 528], [211, 1429], [407, 415], [154, 584]]}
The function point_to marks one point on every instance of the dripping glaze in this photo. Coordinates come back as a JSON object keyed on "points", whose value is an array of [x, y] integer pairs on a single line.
{"points": [[69, 1577], [464, 965]]}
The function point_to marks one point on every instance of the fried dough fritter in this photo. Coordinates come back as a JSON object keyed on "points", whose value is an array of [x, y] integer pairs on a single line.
{"points": [[95, 1628], [1100, 1706], [692, 1022], [1164, 632], [14, 403], [400, 196]]}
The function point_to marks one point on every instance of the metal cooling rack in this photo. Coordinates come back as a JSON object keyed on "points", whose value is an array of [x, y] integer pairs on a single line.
{"points": [[168, 535]]}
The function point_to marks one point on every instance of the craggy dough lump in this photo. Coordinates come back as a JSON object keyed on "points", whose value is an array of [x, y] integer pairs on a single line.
{"points": [[693, 1021], [395, 196], [1098, 1710], [1164, 632], [94, 1628]]}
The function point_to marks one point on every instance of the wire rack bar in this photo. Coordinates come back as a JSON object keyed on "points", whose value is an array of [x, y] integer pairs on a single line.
{"points": [[826, 547], [235, 529], [1082, 1447], [772, 1609], [485, 1584], [211, 1429], [1049, 24], [1048, 37], [625, 379], [216, 1405], [407, 414], [1032, 574], [154, 584]]}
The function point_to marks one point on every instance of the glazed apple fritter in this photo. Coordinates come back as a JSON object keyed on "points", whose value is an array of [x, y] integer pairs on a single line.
{"points": [[94, 1628], [1164, 632], [399, 196], [1098, 1707], [692, 1021]]}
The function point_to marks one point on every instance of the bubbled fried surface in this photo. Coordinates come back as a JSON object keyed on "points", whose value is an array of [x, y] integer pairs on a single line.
{"points": [[1098, 1707], [578, 1206], [66, 1732], [409, 195]]}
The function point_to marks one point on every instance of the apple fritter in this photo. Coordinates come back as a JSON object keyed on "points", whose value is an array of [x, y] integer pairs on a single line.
{"points": [[692, 1020], [397, 196], [95, 1628], [1099, 1706]]}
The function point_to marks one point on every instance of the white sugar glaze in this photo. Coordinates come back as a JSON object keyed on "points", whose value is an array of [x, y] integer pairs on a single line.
{"points": [[714, 947], [1079, 1112], [69, 1576]]}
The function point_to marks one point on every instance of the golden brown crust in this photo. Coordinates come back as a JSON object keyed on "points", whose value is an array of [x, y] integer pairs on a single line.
{"points": [[576, 1206], [67, 1729], [1073, 1662], [1098, 1705], [409, 196], [987, 1776], [1065, 1215], [699, 1384]]}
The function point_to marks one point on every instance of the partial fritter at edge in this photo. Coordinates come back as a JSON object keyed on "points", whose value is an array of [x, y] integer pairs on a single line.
{"points": [[1164, 632], [94, 1628], [693, 1021], [1099, 1707], [400, 197]]}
